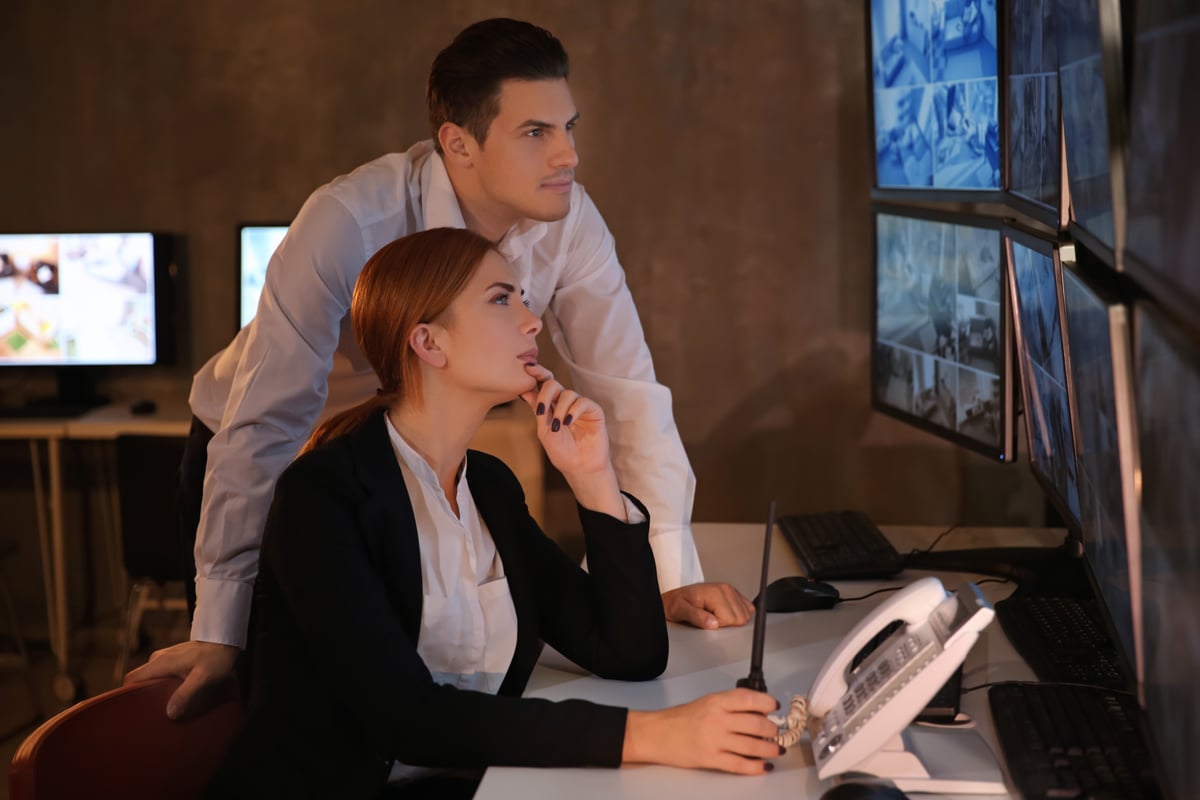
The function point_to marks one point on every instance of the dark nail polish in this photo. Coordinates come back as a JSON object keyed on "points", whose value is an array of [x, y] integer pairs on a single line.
{"points": [[777, 706], [567, 421], [782, 749], [767, 767], [554, 426], [541, 409]]}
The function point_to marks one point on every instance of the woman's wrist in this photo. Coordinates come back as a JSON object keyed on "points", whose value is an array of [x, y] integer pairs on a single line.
{"points": [[599, 492], [633, 750]]}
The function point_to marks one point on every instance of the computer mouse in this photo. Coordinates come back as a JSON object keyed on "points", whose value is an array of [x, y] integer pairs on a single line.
{"points": [[852, 790], [800, 593], [143, 407]]}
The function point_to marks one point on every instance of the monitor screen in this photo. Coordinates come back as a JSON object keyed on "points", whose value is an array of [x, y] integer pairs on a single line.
{"points": [[1085, 117], [1168, 422], [1043, 371], [1033, 128], [1163, 176], [1099, 358], [256, 244], [935, 95], [941, 352], [81, 299]]}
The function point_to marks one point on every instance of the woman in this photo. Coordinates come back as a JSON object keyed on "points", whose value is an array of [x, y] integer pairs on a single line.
{"points": [[404, 589]]}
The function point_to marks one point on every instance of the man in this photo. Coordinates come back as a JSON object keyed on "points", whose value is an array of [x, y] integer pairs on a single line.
{"points": [[502, 163]]}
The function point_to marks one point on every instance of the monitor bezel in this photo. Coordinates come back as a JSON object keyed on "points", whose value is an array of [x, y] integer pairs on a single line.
{"points": [[237, 266], [1120, 331], [166, 248], [1052, 249], [932, 194], [1055, 217], [1007, 452], [1113, 72]]}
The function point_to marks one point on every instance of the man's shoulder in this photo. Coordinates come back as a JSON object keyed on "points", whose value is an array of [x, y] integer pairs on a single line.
{"points": [[383, 181]]}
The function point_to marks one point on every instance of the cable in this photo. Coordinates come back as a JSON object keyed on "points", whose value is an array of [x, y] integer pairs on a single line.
{"points": [[871, 594], [791, 726], [1052, 683], [917, 552]]}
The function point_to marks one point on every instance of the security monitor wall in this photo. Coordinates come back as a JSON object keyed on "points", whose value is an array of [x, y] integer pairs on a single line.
{"points": [[1163, 176], [1043, 370], [1092, 98], [941, 352], [936, 107], [1100, 387], [1033, 142], [1167, 372]]}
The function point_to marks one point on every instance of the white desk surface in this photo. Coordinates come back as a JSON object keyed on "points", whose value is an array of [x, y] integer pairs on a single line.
{"points": [[796, 646]]}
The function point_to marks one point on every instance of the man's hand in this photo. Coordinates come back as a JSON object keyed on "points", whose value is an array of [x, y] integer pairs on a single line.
{"points": [[707, 605], [205, 667]]}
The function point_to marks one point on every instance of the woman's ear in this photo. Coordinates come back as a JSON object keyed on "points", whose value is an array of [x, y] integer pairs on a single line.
{"points": [[458, 146], [425, 343]]}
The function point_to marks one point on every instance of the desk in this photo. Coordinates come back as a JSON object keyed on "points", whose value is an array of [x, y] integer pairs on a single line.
{"points": [[709, 661], [509, 432]]}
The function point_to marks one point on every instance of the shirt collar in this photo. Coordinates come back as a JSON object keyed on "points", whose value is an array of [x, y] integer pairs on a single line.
{"points": [[443, 211], [416, 463]]}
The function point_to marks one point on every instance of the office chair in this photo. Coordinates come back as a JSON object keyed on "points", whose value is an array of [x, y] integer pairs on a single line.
{"points": [[121, 744], [147, 470]]}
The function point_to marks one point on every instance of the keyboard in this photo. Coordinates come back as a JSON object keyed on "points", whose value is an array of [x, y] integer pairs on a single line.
{"points": [[1062, 639], [840, 544], [1072, 742]]}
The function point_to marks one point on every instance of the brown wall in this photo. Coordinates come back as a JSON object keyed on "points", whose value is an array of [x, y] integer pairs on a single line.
{"points": [[725, 142]]}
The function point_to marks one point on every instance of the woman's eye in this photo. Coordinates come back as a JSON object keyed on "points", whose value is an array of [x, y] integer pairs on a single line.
{"points": [[501, 299]]}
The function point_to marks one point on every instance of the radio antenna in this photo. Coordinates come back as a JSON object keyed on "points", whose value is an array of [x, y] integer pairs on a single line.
{"points": [[755, 679]]}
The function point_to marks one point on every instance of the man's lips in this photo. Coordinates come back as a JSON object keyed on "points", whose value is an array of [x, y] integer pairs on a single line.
{"points": [[560, 184]]}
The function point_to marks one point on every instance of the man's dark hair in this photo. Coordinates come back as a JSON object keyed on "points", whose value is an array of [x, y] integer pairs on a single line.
{"points": [[464, 81]]}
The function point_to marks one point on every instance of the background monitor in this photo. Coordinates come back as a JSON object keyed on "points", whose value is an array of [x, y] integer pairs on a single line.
{"points": [[1034, 144], [1167, 370], [1091, 86], [1163, 176], [941, 353], [1039, 334], [935, 99], [256, 244], [1100, 388]]}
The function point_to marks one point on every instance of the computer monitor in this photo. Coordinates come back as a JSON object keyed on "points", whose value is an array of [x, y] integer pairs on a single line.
{"points": [[1034, 143], [935, 97], [1093, 100], [1038, 325], [1167, 384], [941, 355], [1100, 388], [1163, 176], [80, 301], [256, 244]]}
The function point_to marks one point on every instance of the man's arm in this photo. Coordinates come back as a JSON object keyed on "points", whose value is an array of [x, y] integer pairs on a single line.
{"points": [[278, 391], [595, 327]]}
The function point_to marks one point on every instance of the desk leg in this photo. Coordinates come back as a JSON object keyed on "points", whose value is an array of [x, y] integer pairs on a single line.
{"points": [[64, 684]]}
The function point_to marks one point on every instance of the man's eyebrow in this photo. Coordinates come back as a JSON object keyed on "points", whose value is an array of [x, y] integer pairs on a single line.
{"points": [[537, 123]]}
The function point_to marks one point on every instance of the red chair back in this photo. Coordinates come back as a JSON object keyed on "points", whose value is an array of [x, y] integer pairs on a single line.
{"points": [[120, 744]]}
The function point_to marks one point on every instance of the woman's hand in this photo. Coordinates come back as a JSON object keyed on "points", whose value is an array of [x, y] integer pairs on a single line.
{"points": [[727, 731], [572, 431]]}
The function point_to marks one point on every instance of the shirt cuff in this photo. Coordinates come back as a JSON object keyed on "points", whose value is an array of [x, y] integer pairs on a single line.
{"points": [[633, 514], [222, 611]]}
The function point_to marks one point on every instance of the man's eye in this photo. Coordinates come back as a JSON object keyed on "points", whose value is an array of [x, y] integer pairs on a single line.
{"points": [[534, 132]]}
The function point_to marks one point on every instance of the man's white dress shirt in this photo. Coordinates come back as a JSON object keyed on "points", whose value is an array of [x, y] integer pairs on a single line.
{"points": [[297, 363]]}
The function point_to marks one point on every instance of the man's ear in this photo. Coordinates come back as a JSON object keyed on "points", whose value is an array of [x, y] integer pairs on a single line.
{"points": [[458, 145], [424, 342]]}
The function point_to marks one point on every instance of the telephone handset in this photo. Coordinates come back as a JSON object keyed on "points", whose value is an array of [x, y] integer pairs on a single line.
{"points": [[853, 713]]}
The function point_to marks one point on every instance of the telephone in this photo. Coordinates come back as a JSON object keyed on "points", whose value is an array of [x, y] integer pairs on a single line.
{"points": [[858, 717]]}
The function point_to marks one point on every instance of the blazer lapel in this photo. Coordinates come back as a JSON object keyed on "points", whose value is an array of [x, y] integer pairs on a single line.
{"points": [[387, 523]]}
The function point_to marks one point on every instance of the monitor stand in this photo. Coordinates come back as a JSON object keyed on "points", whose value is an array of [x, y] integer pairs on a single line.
{"points": [[76, 394], [1057, 570]]}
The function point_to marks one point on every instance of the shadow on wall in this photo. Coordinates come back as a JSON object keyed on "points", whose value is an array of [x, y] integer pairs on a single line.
{"points": [[808, 438]]}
